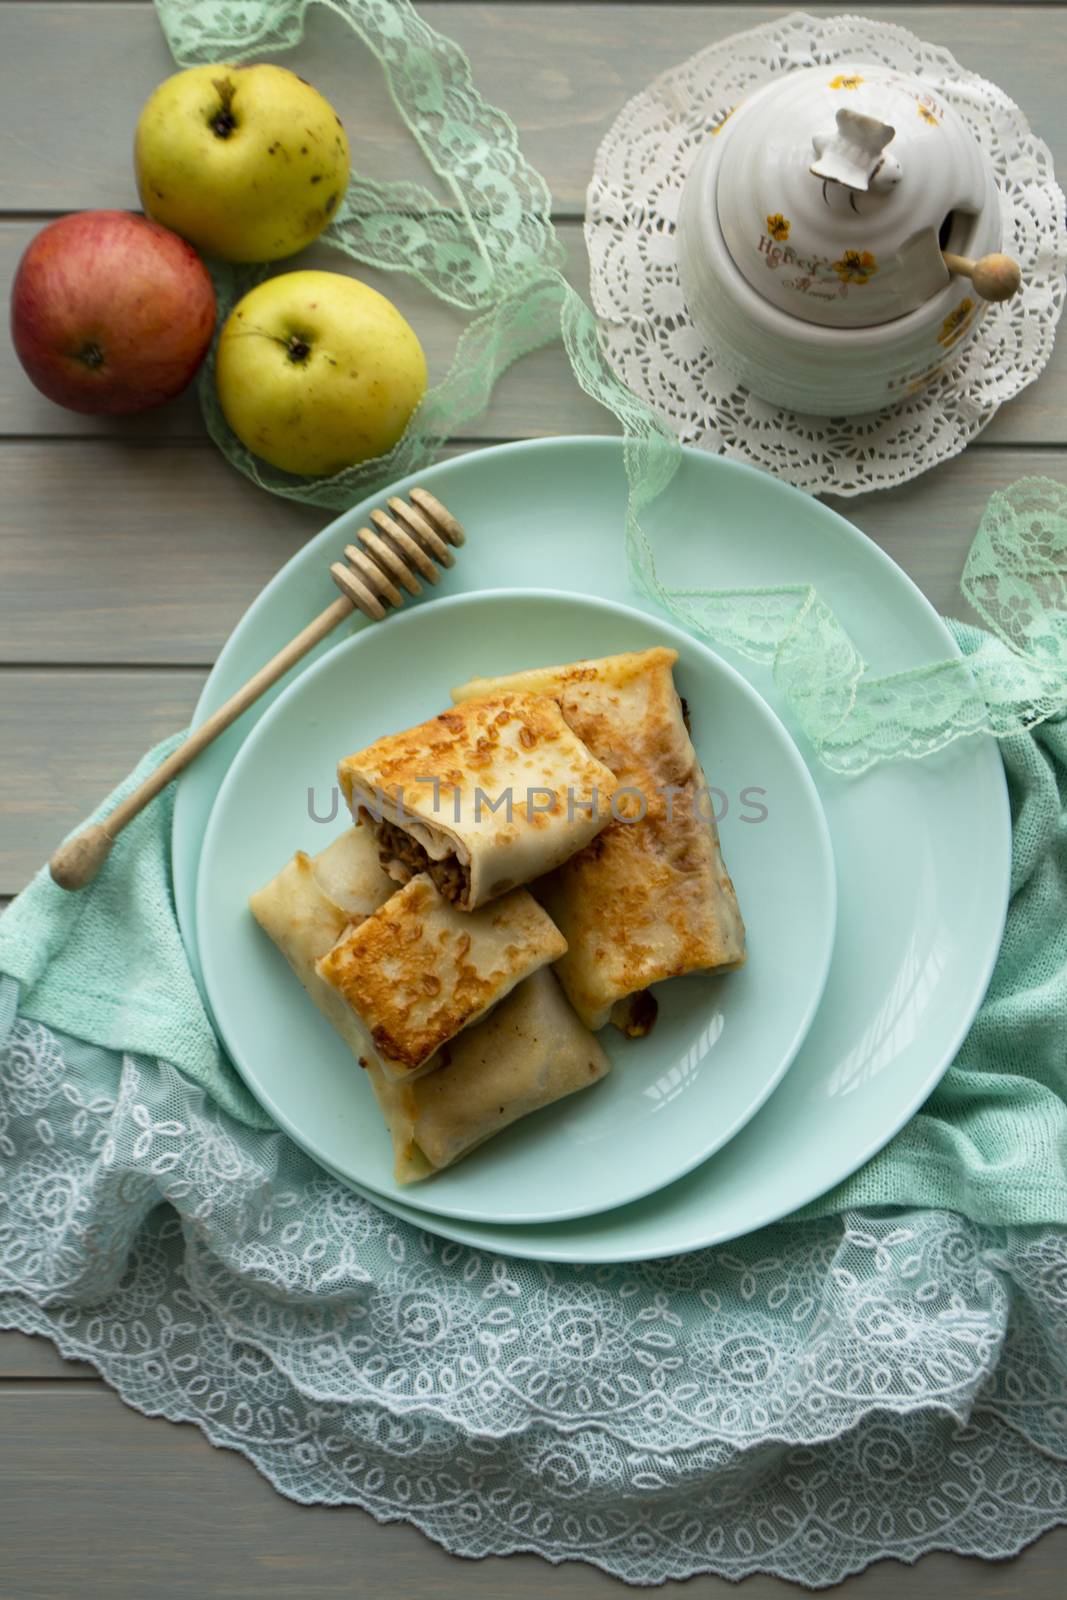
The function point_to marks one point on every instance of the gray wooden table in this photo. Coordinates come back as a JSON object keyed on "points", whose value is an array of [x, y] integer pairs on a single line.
{"points": [[128, 553]]}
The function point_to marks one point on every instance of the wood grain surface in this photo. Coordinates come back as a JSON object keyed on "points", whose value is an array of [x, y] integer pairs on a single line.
{"points": [[118, 1505], [563, 72], [66, 734], [127, 553]]}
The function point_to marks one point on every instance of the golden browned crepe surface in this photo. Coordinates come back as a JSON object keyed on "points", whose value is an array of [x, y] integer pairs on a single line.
{"points": [[647, 899], [492, 794], [418, 971]]}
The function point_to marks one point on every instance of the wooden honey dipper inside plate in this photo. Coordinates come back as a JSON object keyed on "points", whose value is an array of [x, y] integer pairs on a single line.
{"points": [[407, 543]]}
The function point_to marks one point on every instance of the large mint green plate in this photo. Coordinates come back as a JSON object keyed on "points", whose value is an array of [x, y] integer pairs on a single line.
{"points": [[922, 850], [720, 1044]]}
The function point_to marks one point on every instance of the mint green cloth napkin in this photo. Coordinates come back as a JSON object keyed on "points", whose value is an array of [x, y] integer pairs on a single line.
{"points": [[108, 966], [991, 1141]]}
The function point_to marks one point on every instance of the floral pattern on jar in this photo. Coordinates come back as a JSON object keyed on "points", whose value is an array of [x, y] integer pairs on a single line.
{"points": [[856, 266], [956, 323]]}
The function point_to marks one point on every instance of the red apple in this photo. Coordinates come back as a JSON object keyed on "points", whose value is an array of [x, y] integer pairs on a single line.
{"points": [[111, 313]]}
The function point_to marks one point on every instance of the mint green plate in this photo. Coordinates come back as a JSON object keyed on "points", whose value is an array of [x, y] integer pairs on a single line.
{"points": [[922, 850], [719, 1045]]}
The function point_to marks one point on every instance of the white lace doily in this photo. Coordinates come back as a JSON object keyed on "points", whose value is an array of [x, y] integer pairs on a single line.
{"points": [[631, 212]]}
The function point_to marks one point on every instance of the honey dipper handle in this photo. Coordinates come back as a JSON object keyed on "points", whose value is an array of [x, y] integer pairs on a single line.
{"points": [[77, 862], [995, 277]]}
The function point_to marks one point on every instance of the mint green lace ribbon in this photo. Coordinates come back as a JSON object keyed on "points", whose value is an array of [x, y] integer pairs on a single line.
{"points": [[494, 253]]}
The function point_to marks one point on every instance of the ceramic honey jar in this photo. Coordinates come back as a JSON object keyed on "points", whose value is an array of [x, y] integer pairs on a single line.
{"points": [[838, 239]]}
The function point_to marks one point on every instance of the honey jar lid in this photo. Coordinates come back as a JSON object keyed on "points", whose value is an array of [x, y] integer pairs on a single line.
{"points": [[838, 187]]}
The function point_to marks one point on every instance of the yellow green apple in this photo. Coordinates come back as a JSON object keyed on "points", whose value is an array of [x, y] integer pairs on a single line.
{"points": [[317, 371], [247, 163]]}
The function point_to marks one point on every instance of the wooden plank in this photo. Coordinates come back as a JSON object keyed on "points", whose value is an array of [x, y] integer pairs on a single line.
{"points": [[561, 71], [97, 536], [68, 737], [148, 554], [22, 1357], [538, 396], [99, 1501]]}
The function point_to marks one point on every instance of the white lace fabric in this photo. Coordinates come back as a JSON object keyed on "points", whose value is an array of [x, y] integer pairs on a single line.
{"points": [[801, 1402], [631, 214]]}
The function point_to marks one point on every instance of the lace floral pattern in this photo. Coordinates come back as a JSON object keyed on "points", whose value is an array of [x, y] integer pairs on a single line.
{"points": [[1016, 578], [774, 1405], [631, 213]]}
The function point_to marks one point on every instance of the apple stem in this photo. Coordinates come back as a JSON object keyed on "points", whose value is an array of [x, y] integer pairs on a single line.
{"points": [[298, 349], [224, 121]]}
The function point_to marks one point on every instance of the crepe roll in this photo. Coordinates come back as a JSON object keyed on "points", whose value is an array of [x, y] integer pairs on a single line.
{"points": [[417, 971], [482, 798], [311, 903], [530, 1051], [349, 873], [650, 897]]}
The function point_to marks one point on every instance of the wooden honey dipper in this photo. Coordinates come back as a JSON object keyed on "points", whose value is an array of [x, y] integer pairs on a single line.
{"points": [[402, 547], [995, 277]]}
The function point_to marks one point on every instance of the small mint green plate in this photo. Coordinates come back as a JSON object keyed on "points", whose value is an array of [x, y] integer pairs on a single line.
{"points": [[720, 1044], [922, 849]]}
